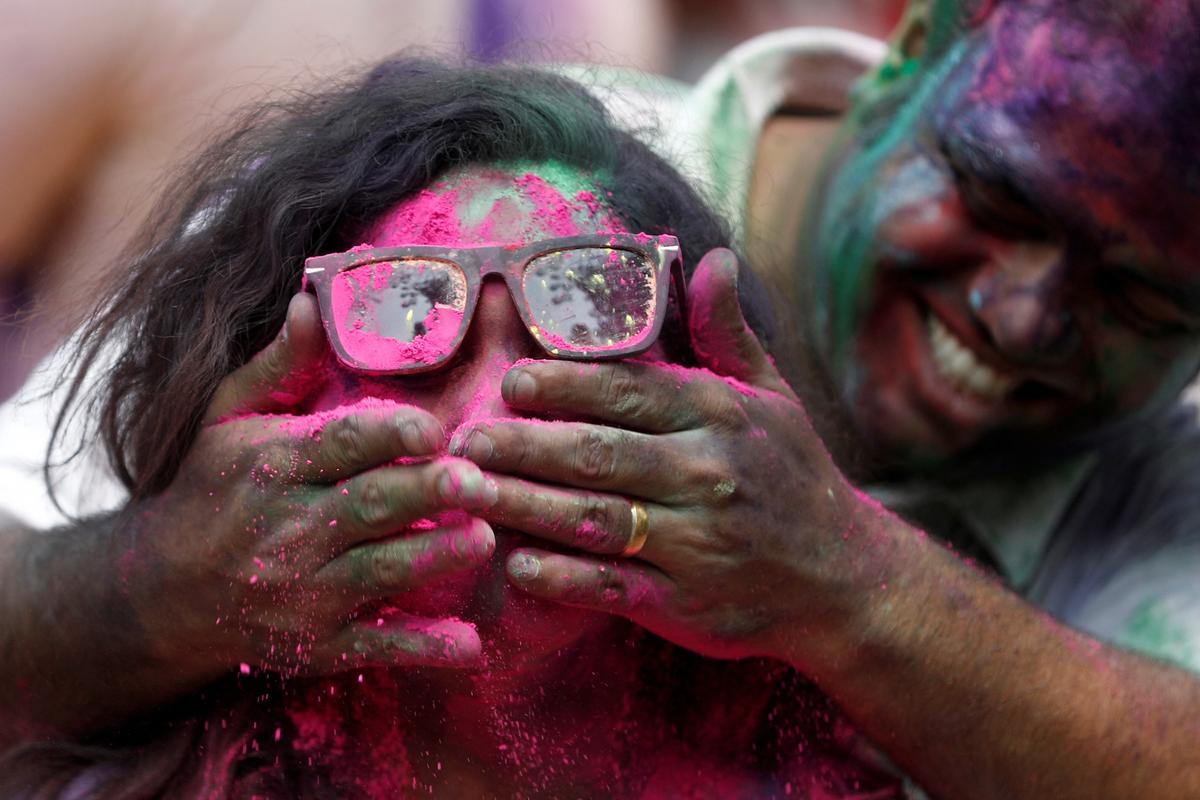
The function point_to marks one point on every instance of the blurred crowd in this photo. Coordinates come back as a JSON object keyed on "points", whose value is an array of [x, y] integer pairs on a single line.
{"points": [[98, 100]]}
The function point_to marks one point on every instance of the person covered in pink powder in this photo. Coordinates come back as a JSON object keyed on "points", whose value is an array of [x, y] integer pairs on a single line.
{"points": [[346, 623]]}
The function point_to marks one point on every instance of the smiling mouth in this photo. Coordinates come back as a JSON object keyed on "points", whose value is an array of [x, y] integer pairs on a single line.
{"points": [[959, 367]]}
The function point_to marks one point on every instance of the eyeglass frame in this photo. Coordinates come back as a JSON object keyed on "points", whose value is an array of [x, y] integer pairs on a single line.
{"points": [[476, 262]]}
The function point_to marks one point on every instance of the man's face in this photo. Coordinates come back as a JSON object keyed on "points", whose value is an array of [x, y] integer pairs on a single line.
{"points": [[1007, 244], [482, 205]]}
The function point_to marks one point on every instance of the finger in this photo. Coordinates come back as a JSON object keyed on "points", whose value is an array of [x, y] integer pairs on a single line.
{"points": [[386, 500], [721, 339], [652, 398], [598, 523], [631, 589], [398, 639], [403, 563], [576, 454], [281, 375], [331, 450]]}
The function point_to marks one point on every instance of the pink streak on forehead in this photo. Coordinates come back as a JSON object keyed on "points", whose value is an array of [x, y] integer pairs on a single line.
{"points": [[430, 217]]}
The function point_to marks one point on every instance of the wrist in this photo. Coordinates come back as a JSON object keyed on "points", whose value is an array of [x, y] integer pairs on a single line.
{"points": [[173, 632], [859, 594]]}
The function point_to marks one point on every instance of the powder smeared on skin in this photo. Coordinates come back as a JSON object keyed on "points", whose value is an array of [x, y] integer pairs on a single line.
{"points": [[548, 205], [430, 217]]}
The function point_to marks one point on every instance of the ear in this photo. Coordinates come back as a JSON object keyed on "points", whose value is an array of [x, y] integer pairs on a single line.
{"points": [[721, 339]]}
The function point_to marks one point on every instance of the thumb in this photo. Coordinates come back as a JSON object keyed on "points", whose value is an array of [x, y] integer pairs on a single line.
{"points": [[721, 339], [281, 375]]}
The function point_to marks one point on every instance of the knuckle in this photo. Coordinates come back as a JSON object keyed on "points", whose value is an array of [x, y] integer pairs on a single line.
{"points": [[620, 390], [348, 440], [383, 567], [595, 455], [369, 504], [726, 410], [273, 361], [715, 482], [518, 450], [595, 520], [611, 588]]}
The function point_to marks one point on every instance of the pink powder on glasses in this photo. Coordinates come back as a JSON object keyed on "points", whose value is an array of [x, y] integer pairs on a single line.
{"points": [[441, 330], [556, 342]]}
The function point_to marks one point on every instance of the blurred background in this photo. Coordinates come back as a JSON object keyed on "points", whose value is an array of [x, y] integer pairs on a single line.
{"points": [[99, 98]]}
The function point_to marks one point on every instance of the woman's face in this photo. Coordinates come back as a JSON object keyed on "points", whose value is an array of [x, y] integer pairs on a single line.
{"points": [[485, 205], [1007, 246]]}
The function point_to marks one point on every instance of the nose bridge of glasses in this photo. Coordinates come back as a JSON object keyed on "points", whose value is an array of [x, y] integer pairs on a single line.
{"points": [[503, 262]]}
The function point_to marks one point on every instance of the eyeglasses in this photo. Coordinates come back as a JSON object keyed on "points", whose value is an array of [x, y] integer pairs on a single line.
{"points": [[403, 310]]}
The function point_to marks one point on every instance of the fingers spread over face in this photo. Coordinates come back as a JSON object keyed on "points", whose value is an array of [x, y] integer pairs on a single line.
{"points": [[409, 561], [597, 523], [630, 589], [382, 501], [352, 444], [573, 454], [654, 398], [399, 639], [282, 374]]}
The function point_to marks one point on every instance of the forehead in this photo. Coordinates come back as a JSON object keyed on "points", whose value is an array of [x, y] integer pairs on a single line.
{"points": [[1104, 97], [511, 204]]}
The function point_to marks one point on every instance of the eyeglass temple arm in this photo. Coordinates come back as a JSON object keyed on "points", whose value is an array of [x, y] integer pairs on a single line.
{"points": [[678, 279]]}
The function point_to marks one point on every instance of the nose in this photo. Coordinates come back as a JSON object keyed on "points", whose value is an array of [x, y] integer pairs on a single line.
{"points": [[495, 340], [1018, 297]]}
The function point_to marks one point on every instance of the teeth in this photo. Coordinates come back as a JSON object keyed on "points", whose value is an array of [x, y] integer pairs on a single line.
{"points": [[958, 365]]}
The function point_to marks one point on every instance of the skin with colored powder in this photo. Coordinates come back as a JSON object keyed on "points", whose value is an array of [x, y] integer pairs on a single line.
{"points": [[759, 546], [1001, 268], [1004, 243], [557, 681], [563, 701]]}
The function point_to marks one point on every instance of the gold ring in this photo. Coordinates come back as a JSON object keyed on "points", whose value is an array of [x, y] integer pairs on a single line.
{"points": [[641, 529]]}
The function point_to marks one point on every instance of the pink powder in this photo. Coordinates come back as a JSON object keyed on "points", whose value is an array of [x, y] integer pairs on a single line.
{"points": [[434, 215], [549, 205], [591, 202], [442, 327], [556, 342]]}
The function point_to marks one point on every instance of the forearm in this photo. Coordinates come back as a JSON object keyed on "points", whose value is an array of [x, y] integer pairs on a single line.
{"points": [[73, 655], [978, 695]]}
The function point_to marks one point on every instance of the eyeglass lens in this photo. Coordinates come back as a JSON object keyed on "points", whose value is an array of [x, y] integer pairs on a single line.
{"points": [[409, 312], [590, 299], [393, 314]]}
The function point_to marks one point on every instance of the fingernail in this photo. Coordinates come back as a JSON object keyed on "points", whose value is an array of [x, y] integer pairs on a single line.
{"points": [[523, 567], [465, 483], [518, 386], [473, 444]]}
